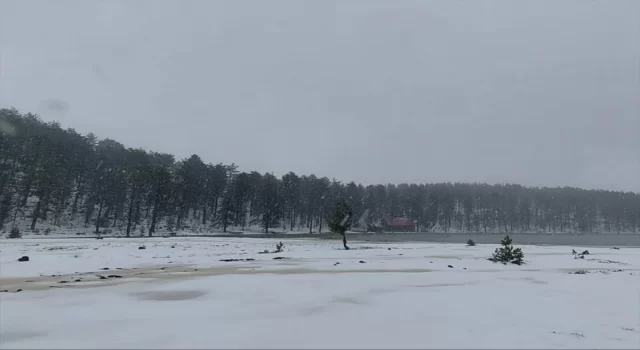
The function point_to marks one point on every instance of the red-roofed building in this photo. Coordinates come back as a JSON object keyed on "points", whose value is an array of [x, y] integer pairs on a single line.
{"points": [[399, 225]]}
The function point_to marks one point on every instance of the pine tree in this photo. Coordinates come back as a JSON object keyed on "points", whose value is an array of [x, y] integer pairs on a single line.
{"points": [[269, 200], [340, 220], [507, 254]]}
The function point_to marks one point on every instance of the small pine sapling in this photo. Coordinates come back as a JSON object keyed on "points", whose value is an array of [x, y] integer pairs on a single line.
{"points": [[507, 254]]}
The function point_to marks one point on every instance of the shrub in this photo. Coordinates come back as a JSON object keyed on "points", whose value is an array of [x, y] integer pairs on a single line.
{"points": [[48, 231], [15, 233], [279, 247], [471, 243], [507, 254]]}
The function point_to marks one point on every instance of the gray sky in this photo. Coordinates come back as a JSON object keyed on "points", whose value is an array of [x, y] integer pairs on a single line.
{"points": [[533, 92]]}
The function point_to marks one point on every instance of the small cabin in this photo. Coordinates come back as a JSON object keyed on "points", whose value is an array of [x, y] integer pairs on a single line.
{"points": [[399, 225]]}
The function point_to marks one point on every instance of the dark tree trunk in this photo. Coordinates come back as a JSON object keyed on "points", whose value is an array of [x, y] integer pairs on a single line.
{"points": [[136, 215], [79, 192], [293, 219], [36, 213], [204, 215], [98, 218], [344, 241], [130, 214], [154, 218], [215, 208]]}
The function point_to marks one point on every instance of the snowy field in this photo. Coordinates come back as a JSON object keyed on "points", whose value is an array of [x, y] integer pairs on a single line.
{"points": [[177, 293]]}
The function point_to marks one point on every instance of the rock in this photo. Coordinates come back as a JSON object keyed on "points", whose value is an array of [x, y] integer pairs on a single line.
{"points": [[400, 254], [581, 256], [337, 263], [231, 260], [586, 252], [63, 281], [449, 266], [142, 247], [78, 280], [388, 248], [18, 290], [430, 262], [616, 248], [5, 291], [101, 277], [464, 268], [280, 258], [24, 258], [104, 268], [173, 246], [114, 276]]}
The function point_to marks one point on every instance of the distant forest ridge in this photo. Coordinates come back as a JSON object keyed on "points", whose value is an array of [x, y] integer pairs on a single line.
{"points": [[57, 180]]}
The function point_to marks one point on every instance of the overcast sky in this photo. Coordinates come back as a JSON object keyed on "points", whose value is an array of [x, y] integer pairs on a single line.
{"points": [[533, 92]]}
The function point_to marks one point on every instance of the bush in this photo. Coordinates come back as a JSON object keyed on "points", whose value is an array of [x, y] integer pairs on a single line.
{"points": [[507, 254], [15, 233], [279, 247], [471, 243], [48, 231]]}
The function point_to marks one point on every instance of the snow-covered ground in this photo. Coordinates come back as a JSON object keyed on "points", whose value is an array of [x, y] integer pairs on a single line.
{"points": [[177, 293]]}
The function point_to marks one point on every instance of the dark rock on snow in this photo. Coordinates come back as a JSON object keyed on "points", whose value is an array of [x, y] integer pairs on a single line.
{"points": [[231, 260]]}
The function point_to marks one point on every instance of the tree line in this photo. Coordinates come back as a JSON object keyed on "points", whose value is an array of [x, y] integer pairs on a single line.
{"points": [[59, 179]]}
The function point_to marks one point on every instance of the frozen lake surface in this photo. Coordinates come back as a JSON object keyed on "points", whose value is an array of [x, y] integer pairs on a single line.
{"points": [[177, 293]]}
